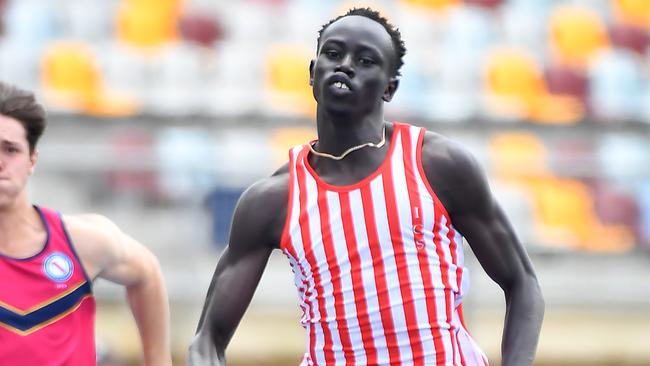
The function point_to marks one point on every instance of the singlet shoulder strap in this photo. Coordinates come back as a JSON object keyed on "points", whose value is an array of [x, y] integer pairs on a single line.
{"points": [[59, 239], [294, 157], [55, 227]]}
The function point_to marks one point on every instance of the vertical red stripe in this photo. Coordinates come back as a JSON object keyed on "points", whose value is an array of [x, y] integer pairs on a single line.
{"points": [[437, 240], [335, 272], [439, 211], [452, 327], [451, 234], [423, 259], [357, 280], [402, 264], [380, 276], [303, 220], [461, 317], [463, 362]]}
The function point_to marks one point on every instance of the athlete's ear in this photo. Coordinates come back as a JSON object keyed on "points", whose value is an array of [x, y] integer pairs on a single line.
{"points": [[391, 88], [33, 158], [311, 72]]}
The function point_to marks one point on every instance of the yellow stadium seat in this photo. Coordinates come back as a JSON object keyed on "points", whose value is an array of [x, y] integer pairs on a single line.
{"points": [[633, 12], [71, 80], [557, 109], [110, 103], [565, 215], [563, 208], [515, 88], [513, 82], [148, 23], [576, 34], [287, 75], [70, 73], [517, 154]]}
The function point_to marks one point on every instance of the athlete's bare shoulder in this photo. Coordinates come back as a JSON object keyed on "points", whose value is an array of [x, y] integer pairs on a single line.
{"points": [[452, 171], [94, 237], [271, 192], [90, 227], [448, 153], [262, 208]]}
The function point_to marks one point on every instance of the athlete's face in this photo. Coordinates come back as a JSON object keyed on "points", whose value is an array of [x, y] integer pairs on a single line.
{"points": [[16, 161], [353, 70]]}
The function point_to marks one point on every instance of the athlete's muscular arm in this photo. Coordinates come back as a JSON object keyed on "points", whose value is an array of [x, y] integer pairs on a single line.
{"points": [[256, 229], [462, 187], [109, 253]]}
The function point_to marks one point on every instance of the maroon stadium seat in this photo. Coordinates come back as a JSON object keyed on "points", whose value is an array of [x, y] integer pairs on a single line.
{"points": [[201, 29], [490, 4], [629, 37], [566, 80]]}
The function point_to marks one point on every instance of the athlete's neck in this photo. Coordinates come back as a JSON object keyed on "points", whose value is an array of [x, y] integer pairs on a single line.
{"points": [[339, 132], [21, 230]]}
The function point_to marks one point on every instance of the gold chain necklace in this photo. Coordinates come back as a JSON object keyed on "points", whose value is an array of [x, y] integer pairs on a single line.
{"points": [[353, 148]]}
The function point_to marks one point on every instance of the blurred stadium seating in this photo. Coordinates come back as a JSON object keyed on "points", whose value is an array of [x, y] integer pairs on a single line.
{"points": [[563, 39], [163, 111]]}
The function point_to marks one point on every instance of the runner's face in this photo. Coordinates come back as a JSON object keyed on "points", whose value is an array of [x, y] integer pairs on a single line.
{"points": [[353, 70], [16, 161]]}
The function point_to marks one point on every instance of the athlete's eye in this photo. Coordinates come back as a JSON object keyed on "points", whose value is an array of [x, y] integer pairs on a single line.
{"points": [[11, 149], [366, 61], [331, 53]]}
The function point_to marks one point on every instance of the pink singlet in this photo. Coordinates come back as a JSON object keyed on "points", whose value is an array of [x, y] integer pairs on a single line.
{"points": [[47, 309]]}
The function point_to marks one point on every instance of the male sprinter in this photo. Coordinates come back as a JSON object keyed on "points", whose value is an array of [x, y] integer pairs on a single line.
{"points": [[48, 262], [372, 217]]}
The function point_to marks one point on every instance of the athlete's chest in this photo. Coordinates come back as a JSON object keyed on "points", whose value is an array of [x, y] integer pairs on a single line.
{"points": [[25, 247]]}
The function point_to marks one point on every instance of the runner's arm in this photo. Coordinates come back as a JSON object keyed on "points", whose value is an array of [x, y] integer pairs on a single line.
{"points": [[477, 215], [235, 279], [109, 253]]}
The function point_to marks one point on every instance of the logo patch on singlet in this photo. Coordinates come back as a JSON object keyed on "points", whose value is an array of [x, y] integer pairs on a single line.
{"points": [[58, 267]]}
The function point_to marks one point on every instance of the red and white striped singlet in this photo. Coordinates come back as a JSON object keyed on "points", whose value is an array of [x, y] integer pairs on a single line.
{"points": [[377, 264]]}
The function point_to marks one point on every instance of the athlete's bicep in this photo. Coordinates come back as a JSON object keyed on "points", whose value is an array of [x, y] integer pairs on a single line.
{"points": [[130, 261], [107, 252], [495, 244], [479, 217]]}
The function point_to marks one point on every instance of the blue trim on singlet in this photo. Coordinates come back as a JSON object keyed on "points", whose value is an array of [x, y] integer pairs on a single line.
{"points": [[45, 313], [74, 251]]}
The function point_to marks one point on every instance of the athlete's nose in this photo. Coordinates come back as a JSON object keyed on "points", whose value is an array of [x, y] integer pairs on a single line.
{"points": [[345, 66]]}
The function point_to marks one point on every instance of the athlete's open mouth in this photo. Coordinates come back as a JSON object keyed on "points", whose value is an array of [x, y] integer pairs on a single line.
{"points": [[340, 85], [340, 82]]}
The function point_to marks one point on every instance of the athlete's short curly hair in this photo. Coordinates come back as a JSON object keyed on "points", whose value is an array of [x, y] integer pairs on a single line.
{"points": [[395, 35]]}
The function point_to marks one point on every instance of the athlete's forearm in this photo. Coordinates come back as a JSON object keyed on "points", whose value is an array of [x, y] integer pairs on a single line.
{"points": [[150, 308], [523, 321]]}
